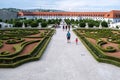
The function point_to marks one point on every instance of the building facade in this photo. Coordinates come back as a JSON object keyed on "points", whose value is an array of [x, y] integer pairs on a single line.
{"points": [[112, 16]]}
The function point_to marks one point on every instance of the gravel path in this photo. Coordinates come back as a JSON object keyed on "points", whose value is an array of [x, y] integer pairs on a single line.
{"points": [[63, 61]]}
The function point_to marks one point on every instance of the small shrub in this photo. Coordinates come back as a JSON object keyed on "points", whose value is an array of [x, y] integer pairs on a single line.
{"points": [[4, 53], [44, 24], [42, 35], [110, 49], [11, 41], [5, 38], [1, 45], [46, 31]]}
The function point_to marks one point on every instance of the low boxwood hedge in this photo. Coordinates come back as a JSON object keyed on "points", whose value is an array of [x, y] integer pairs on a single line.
{"points": [[14, 41], [34, 55], [1, 45], [107, 49], [19, 48], [4, 53], [97, 53]]}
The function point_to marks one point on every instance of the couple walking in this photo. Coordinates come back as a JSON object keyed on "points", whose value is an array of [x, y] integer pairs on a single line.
{"points": [[66, 27], [69, 36]]}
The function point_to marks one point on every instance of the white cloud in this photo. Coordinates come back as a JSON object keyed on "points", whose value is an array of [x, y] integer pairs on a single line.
{"points": [[75, 5], [86, 4]]}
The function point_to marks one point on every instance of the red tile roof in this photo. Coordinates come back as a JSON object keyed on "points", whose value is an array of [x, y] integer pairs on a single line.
{"points": [[111, 14]]}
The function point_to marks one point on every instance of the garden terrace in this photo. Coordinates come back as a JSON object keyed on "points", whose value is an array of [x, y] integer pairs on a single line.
{"points": [[104, 44], [18, 46]]}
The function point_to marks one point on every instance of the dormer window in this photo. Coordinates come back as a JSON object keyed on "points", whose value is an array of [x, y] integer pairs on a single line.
{"points": [[108, 15]]}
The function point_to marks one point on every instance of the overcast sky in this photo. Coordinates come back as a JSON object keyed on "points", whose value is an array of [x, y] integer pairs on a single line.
{"points": [[70, 5]]}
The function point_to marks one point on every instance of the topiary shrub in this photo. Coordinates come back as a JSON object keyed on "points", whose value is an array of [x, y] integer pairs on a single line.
{"points": [[82, 24], [4, 53], [1, 45], [100, 42], [44, 24], [110, 49], [107, 49], [42, 35], [5, 38], [14, 41], [11, 41], [119, 46], [46, 31]]}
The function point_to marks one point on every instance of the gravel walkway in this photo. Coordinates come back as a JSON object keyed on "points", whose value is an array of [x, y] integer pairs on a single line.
{"points": [[63, 61]]}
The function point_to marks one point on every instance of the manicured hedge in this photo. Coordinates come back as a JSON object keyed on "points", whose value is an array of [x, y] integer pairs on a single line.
{"points": [[97, 53], [1, 45], [19, 48], [14, 41], [108, 49], [34, 55], [4, 53]]}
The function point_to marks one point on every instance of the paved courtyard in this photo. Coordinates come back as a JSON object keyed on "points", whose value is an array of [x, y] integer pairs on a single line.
{"points": [[63, 61]]}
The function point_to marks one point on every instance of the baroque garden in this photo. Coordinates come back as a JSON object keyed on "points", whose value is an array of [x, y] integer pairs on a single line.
{"points": [[28, 39]]}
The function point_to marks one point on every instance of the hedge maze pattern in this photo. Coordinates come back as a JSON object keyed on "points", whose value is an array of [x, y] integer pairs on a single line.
{"points": [[104, 44], [18, 46]]}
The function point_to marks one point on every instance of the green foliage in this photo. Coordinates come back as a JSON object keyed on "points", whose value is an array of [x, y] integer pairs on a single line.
{"points": [[0, 20], [34, 24], [11, 41], [107, 49], [4, 38], [82, 24], [0, 26], [104, 24], [90, 24], [97, 53], [44, 24], [1, 43], [14, 41], [42, 35], [14, 60], [18, 24], [98, 33], [4, 53]]}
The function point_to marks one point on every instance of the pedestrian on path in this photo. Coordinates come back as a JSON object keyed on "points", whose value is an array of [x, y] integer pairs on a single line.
{"points": [[76, 40], [68, 36], [63, 28], [69, 27], [66, 27]]}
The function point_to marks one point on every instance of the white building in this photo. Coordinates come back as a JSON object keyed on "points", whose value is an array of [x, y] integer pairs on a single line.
{"points": [[112, 16]]}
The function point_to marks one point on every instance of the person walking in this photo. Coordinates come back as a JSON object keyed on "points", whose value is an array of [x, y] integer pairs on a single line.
{"points": [[68, 36], [76, 40], [69, 27], [63, 28], [66, 27]]}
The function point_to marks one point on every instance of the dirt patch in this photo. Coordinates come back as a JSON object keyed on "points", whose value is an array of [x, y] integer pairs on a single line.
{"points": [[31, 39], [93, 41], [29, 48], [8, 47], [115, 32], [115, 54]]}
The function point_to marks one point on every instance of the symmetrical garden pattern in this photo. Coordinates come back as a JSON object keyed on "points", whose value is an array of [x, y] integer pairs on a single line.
{"points": [[104, 44], [18, 46]]}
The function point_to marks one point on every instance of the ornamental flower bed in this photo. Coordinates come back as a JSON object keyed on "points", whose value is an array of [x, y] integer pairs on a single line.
{"points": [[104, 44], [18, 46]]}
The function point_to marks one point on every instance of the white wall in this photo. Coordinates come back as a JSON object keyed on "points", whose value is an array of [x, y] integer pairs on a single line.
{"points": [[73, 17], [5, 25]]}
